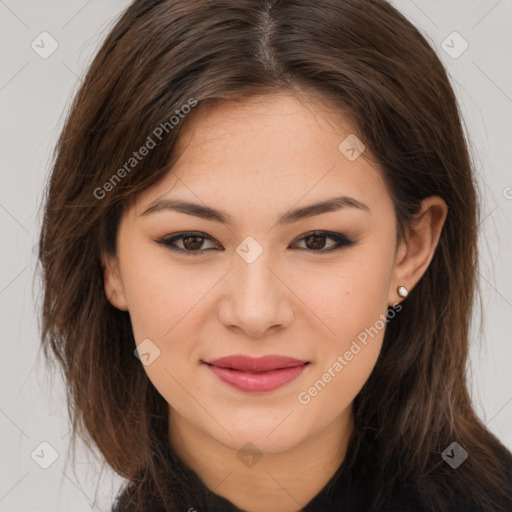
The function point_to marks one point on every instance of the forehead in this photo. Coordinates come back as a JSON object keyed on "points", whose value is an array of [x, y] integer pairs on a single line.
{"points": [[266, 151]]}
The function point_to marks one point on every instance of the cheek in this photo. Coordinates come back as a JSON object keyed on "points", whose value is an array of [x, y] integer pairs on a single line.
{"points": [[343, 366], [332, 388], [349, 296], [160, 294], [164, 306], [352, 300]]}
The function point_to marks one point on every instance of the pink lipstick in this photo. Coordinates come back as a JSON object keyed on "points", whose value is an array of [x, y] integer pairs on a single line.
{"points": [[256, 375]]}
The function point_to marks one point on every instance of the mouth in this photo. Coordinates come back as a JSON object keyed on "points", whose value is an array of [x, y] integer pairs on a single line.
{"points": [[256, 375]]}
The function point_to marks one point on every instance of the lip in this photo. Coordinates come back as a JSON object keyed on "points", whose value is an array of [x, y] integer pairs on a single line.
{"points": [[256, 375], [256, 364]]}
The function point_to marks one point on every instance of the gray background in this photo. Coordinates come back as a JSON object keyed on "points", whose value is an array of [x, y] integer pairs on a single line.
{"points": [[34, 96]]}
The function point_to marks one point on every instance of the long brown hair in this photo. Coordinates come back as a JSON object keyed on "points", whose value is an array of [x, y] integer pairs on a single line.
{"points": [[376, 69]]}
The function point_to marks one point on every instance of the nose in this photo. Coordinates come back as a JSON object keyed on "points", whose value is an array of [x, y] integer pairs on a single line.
{"points": [[257, 299]]}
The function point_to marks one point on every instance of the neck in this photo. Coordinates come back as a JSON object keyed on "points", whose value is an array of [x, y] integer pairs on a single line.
{"points": [[281, 482]]}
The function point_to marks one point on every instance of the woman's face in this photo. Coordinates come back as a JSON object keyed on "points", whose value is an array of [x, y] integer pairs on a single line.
{"points": [[254, 280]]}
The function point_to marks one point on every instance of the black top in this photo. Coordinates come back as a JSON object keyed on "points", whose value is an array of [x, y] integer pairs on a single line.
{"points": [[349, 490]]}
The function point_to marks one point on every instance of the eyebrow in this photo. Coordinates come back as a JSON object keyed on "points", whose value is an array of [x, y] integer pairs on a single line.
{"points": [[205, 212]]}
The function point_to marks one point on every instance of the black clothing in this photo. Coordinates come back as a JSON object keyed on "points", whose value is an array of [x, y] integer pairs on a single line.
{"points": [[349, 490]]}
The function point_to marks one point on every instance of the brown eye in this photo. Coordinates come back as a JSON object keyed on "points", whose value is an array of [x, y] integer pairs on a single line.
{"points": [[190, 243], [316, 241], [193, 243]]}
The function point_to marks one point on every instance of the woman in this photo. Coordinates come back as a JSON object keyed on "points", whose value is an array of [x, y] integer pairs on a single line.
{"points": [[259, 256]]}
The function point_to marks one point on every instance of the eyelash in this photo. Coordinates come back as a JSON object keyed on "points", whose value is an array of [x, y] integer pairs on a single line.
{"points": [[342, 241]]}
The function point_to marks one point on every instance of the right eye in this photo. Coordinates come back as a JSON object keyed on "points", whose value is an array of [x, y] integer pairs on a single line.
{"points": [[191, 242]]}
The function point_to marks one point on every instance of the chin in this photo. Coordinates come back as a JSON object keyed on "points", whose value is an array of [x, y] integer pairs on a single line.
{"points": [[265, 439]]}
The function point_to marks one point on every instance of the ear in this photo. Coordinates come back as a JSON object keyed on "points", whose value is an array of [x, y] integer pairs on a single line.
{"points": [[416, 252], [114, 289]]}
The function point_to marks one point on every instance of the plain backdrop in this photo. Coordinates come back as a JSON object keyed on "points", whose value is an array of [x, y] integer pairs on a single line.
{"points": [[35, 93]]}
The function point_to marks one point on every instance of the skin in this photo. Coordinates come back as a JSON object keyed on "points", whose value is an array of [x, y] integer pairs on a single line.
{"points": [[256, 160]]}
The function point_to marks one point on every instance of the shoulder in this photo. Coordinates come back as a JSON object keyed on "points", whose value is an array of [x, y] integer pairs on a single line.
{"points": [[123, 504], [212, 503], [410, 499], [351, 492], [454, 497]]}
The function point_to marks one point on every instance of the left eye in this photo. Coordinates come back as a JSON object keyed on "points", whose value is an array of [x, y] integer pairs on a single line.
{"points": [[191, 242]]}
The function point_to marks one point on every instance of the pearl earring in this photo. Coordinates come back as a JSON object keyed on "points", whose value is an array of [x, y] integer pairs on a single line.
{"points": [[402, 291]]}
